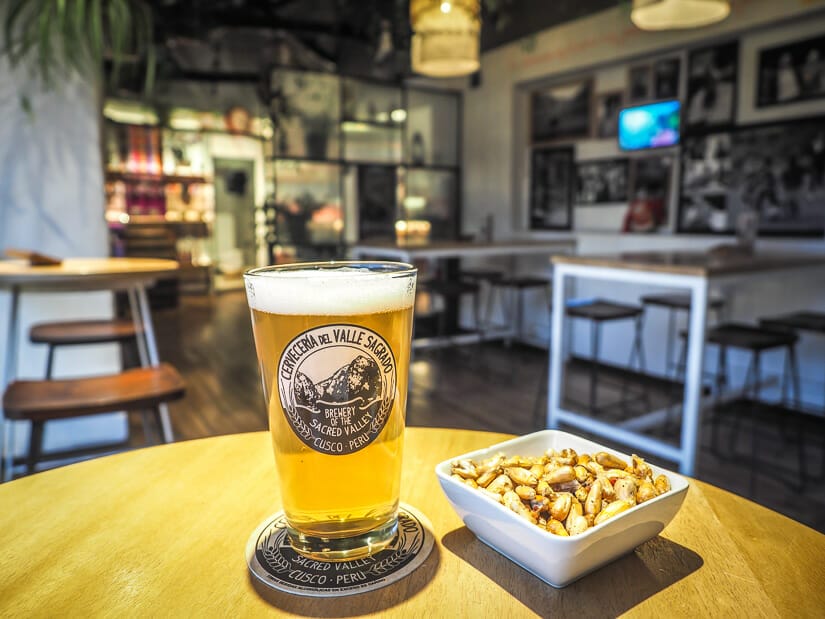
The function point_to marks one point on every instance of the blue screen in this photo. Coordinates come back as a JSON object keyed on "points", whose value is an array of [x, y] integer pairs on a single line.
{"points": [[655, 125]]}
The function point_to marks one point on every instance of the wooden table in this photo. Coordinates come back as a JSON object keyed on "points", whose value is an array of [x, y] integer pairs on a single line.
{"points": [[690, 270], [133, 275], [161, 532]]}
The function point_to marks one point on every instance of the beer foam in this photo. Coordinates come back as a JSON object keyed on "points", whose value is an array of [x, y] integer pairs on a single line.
{"points": [[329, 292]]}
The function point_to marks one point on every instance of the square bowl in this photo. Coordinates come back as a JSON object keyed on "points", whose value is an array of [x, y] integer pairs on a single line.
{"points": [[557, 560]]}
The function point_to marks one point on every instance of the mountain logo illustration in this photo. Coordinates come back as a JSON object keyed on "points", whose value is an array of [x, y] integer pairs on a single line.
{"points": [[337, 387]]}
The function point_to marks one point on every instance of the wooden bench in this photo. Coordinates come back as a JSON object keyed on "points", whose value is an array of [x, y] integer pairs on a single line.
{"points": [[39, 401]]}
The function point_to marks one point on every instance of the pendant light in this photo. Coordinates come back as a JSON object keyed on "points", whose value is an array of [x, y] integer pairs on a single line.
{"points": [[445, 40], [676, 14]]}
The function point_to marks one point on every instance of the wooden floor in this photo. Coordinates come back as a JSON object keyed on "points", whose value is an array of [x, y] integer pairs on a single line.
{"points": [[482, 388]]}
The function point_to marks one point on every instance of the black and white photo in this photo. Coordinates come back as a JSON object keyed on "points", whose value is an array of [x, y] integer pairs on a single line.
{"points": [[607, 114], [649, 194], [552, 180], [792, 72], [639, 83], [776, 172], [666, 74], [601, 181], [562, 112], [711, 87]]}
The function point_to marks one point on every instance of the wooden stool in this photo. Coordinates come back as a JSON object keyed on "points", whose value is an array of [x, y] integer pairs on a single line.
{"points": [[78, 333], [598, 312], [39, 401]]}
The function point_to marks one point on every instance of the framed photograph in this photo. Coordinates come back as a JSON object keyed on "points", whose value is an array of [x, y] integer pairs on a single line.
{"points": [[649, 194], [562, 112], [601, 181], [551, 189], [638, 79], [792, 72], [607, 114], [711, 87], [666, 74], [775, 172]]}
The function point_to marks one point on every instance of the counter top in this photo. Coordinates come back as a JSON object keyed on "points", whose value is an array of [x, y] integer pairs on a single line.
{"points": [[705, 264]]}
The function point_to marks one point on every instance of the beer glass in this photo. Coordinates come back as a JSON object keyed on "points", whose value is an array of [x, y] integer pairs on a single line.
{"points": [[333, 344]]}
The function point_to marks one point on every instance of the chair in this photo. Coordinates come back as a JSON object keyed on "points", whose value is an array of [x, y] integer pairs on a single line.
{"points": [[41, 401], [80, 332], [452, 291], [597, 313], [485, 279]]}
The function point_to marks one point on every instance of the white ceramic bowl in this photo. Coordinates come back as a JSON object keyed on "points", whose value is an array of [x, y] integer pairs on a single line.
{"points": [[557, 560]]}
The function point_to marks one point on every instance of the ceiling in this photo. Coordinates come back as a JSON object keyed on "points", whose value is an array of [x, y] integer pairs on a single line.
{"points": [[239, 40]]}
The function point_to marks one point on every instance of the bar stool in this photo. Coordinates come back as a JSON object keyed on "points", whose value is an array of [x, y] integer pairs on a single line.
{"points": [[80, 332], [519, 286], [453, 291], [813, 322], [40, 401], [675, 303], [598, 312], [756, 341], [484, 278]]}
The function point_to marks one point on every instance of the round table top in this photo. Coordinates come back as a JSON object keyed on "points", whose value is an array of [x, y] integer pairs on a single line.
{"points": [[162, 531], [83, 272]]}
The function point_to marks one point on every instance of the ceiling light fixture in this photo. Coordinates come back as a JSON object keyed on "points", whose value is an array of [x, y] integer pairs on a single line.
{"points": [[677, 14], [445, 42]]}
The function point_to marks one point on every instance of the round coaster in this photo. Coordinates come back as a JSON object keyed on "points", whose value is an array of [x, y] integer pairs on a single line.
{"points": [[273, 561]]}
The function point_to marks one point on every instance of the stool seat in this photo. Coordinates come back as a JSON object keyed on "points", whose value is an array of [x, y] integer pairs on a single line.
{"points": [[748, 337], [44, 400], [601, 311], [801, 321], [677, 301], [82, 332], [527, 281]]}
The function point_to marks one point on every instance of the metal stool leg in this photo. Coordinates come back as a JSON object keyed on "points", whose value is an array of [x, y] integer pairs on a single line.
{"points": [[50, 362], [158, 414], [595, 331], [35, 446], [758, 392], [671, 336]]}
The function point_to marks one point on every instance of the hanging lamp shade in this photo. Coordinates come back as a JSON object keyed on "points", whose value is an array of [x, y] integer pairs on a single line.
{"points": [[445, 40], [676, 14]]}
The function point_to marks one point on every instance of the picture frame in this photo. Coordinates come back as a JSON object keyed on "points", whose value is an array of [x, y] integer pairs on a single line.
{"points": [[649, 194], [791, 72], [711, 87], [667, 77], [775, 171], [561, 111], [606, 112], [601, 181], [639, 83], [552, 181]]}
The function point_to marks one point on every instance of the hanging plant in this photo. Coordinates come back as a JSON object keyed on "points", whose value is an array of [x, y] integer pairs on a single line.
{"points": [[84, 35]]}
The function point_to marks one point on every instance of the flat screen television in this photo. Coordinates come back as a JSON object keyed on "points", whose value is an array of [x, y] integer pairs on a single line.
{"points": [[654, 125]]}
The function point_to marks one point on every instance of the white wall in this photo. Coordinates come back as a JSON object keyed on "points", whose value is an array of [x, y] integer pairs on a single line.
{"points": [[495, 174], [51, 201]]}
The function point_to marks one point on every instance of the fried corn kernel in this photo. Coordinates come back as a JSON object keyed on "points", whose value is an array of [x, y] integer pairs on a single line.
{"points": [[564, 492]]}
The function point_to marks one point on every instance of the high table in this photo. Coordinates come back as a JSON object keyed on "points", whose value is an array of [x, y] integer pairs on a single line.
{"points": [[161, 531], [82, 275], [691, 270]]}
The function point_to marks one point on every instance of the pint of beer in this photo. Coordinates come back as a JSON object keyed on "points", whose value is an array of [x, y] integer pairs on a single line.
{"points": [[333, 343]]}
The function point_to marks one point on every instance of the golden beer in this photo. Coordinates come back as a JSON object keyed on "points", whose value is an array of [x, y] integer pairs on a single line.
{"points": [[333, 342]]}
